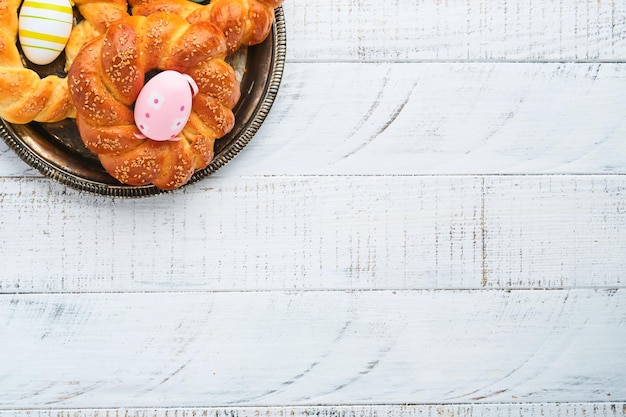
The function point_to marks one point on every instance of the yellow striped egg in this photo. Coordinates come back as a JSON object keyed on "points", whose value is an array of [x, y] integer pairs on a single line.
{"points": [[44, 28]]}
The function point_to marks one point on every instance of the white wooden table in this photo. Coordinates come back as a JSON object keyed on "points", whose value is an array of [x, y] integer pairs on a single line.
{"points": [[431, 221]]}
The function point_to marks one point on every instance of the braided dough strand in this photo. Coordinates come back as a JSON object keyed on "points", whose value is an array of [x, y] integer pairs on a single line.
{"points": [[24, 96], [108, 74], [243, 22], [98, 16]]}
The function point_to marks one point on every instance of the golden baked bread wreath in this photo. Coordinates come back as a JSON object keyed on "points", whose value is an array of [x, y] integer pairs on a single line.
{"points": [[97, 16], [157, 37], [24, 95], [108, 74]]}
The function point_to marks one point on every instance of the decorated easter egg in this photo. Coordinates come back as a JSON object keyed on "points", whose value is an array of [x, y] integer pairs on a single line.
{"points": [[164, 104], [44, 28]]}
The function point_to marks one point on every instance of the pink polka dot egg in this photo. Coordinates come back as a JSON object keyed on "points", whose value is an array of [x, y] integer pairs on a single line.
{"points": [[164, 105]]}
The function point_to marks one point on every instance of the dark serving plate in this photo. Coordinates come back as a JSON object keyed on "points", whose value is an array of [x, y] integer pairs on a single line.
{"points": [[56, 150]]}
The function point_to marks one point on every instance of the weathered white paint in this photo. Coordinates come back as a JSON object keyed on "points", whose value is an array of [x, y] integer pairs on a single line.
{"points": [[313, 347], [319, 232], [365, 250], [602, 409], [458, 30]]}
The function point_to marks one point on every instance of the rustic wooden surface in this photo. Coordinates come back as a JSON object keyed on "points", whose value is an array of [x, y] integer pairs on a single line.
{"points": [[430, 222]]}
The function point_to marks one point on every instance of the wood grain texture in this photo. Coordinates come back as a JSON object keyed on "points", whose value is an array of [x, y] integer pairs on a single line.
{"points": [[318, 232], [311, 348], [603, 409], [457, 30], [379, 119], [433, 213]]}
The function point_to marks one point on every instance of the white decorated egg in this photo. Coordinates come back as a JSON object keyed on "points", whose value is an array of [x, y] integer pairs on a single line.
{"points": [[164, 105], [44, 28]]}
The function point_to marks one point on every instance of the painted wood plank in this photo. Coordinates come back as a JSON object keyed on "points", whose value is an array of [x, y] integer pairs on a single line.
{"points": [[244, 234], [541, 228], [458, 30], [601, 409], [409, 119], [443, 119], [311, 348], [318, 232]]}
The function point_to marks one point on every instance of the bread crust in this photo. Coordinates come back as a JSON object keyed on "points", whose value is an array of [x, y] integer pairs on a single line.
{"points": [[24, 95], [108, 74]]}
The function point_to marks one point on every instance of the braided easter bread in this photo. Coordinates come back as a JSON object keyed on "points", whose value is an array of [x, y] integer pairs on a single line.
{"points": [[108, 74], [101, 13], [243, 22], [24, 96], [98, 16]]}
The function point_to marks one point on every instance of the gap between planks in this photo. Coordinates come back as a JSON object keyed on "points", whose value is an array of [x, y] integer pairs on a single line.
{"points": [[588, 409], [611, 289]]}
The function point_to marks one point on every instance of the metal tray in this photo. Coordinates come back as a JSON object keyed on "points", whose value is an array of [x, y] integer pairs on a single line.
{"points": [[56, 150]]}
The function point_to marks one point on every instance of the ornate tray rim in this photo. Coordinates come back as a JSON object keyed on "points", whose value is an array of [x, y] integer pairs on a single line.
{"points": [[250, 128]]}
